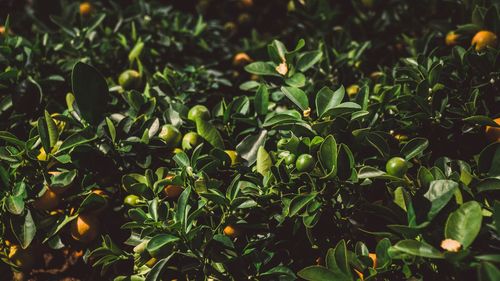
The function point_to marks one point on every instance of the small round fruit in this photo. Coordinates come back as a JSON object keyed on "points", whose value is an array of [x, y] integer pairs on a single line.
{"points": [[231, 231], [244, 18], [2, 30], [241, 59], [48, 201], [305, 163], [85, 228], [190, 140], [85, 9], [246, 4], [129, 79], [451, 39], [131, 200], [493, 133], [483, 39], [21, 258], [352, 90], [171, 135], [396, 167], [230, 27], [198, 112], [172, 191], [234, 157], [290, 159]]}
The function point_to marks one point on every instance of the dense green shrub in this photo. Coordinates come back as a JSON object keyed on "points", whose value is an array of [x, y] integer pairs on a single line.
{"points": [[250, 140]]}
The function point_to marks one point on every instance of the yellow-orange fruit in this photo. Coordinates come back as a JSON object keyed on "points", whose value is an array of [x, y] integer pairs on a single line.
{"points": [[2, 29], [483, 39], [231, 231], [246, 3], [241, 59], [352, 90], [48, 201], [493, 133], [85, 9], [85, 228], [451, 39], [172, 191]]}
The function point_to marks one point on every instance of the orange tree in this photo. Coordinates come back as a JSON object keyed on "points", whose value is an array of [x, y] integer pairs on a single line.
{"points": [[359, 143]]}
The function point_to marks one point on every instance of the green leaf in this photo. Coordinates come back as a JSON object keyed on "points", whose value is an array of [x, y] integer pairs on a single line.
{"points": [[464, 224], [308, 59], [51, 129], [182, 207], [297, 96], [489, 184], [24, 229], [414, 147], [328, 155], [297, 80], [160, 241], [481, 120], [320, 273], [262, 68], [382, 252], [136, 52], [489, 160], [76, 139], [10, 138], [264, 161], [341, 258], [488, 272], [208, 131], [341, 109], [261, 100], [439, 194], [249, 146], [91, 92], [43, 132], [15, 204], [299, 202], [327, 99], [158, 268], [418, 248], [111, 129]]}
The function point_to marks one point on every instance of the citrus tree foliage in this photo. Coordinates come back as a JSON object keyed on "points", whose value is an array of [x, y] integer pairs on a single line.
{"points": [[341, 140]]}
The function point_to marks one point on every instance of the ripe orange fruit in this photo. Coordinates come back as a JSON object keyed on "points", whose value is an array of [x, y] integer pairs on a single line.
{"points": [[172, 191], [85, 9], [493, 133], [451, 39], [483, 39], [85, 228], [2, 29], [48, 201], [231, 231], [241, 59], [21, 258], [245, 4]]}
